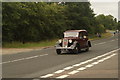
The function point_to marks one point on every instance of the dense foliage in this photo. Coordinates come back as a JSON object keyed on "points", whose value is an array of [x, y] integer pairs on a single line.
{"points": [[31, 22], [109, 22]]}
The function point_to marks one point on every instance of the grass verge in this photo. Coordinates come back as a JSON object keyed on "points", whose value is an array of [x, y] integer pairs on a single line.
{"points": [[45, 43], [103, 35], [30, 44]]}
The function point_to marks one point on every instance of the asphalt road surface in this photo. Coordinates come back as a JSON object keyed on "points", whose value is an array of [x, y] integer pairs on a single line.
{"points": [[100, 62]]}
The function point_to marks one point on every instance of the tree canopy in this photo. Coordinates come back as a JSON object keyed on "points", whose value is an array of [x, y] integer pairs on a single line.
{"points": [[32, 22]]}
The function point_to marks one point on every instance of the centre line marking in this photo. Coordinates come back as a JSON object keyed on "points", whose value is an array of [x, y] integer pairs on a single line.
{"points": [[105, 42], [43, 55], [23, 59], [100, 43]]}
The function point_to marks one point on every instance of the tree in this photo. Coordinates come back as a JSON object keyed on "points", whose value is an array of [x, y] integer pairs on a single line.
{"points": [[108, 21], [33, 22]]}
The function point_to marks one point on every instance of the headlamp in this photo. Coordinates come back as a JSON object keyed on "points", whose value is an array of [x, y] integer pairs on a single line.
{"points": [[70, 41], [60, 41]]}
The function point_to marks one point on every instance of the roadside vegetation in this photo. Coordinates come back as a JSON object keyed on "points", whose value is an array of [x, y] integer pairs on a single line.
{"points": [[47, 43], [30, 24], [103, 35], [40, 44]]}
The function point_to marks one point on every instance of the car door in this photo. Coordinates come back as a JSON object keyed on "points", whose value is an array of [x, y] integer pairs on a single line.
{"points": [[81, 40], [85, 39]]}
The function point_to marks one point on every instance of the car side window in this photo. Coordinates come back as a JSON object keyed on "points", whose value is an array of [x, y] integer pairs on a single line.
{"points": [[84, 35], [80, 35]]}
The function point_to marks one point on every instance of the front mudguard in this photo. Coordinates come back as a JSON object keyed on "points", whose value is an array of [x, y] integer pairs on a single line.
{"points": [[71, 47], [74, 45], [89, 44], [57, 44]]}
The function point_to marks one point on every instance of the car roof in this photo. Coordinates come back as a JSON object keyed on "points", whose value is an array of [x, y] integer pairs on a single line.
{"points": [[76, 31]]}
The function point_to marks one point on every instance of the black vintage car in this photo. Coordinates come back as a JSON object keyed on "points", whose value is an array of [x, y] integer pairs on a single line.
{"points": [[73, 41]]}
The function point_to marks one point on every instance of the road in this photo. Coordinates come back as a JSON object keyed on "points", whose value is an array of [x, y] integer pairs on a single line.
{"points": [[100, 62]]}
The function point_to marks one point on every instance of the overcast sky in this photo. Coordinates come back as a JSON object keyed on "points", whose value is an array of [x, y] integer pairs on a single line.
{"points": [[105, 7]]}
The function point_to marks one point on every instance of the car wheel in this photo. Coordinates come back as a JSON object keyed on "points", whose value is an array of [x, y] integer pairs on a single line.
{"points": [[87, 49], [58, 51], [76, 50]]}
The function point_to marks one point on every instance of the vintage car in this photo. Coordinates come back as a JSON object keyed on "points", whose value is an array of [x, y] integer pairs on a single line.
{"points": [[74, 41]]}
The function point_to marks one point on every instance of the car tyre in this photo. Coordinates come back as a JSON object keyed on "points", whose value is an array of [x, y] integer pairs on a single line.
{"points": [[58, 51], [77, 50], [87, 49]]}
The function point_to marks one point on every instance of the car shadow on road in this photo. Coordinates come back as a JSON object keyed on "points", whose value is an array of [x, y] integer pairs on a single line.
{"points": [[70, 53]]}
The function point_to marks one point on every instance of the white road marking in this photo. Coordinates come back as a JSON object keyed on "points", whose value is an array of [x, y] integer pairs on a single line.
{"points": [[63, 76], [87, 66], [43, 55], [17, 60], [95, 58], [109, 56], [113, 55], [73, 72], [29, 58], [23, 59], [101, 60], [67, 68], [84, 62], [90, 60], [100, 43], [76, 65], [59, 71], [105, 42], [46, 76], [82, 68], [5, 62], [95, 63]]}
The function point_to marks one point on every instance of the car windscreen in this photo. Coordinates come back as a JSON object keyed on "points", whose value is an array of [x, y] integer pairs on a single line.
{"points": [[71, 34]]}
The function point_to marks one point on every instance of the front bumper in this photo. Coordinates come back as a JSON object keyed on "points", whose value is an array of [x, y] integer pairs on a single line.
{"points": [[64, 47], [59, 47]]}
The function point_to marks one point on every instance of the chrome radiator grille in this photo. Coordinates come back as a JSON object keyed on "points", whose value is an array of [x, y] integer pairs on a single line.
{"points": [[65, 43]]}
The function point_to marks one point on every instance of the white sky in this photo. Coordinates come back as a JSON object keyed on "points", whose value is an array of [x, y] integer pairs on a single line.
{"points": [[105, 7]]}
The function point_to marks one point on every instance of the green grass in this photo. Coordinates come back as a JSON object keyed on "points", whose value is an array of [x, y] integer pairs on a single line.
{"points": [[30, 44], [45, 43], [103, 35]]}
